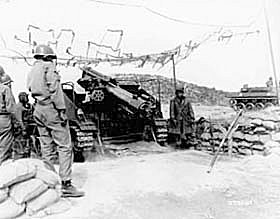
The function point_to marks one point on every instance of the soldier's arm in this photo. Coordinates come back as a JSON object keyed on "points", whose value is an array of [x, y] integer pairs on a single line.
{"points": [[172, 110], [191, 111], [52, 79], [10, 101], [11, 108]]}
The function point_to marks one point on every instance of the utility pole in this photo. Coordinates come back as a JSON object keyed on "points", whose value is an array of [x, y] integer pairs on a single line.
{"points": [[174, 72], [271, 51]]}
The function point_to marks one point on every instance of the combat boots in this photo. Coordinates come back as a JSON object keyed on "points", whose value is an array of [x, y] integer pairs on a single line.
{"points": [[68, 190]]}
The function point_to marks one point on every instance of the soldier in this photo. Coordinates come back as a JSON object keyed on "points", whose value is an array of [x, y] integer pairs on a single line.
{"points": [[182, 119], [269, 83], [7, 104], [43, 82], [24, 113]]}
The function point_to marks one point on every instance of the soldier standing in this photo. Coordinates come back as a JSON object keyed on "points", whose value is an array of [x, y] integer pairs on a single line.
{"points": [[43, 82], [7, 104], [182, 119], [269, 83], [24, 113]]}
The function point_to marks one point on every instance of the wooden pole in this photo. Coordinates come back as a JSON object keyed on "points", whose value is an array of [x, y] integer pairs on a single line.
{"points": [[159, 92], [271, 52], [232, 125], [174, 72]]}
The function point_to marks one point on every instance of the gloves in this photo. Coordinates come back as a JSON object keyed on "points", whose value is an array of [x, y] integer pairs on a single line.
{"points": [[63, 117]]}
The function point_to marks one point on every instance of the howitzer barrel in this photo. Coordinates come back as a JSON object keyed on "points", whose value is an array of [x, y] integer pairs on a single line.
{"points": [[126, 96], [112, 87]]}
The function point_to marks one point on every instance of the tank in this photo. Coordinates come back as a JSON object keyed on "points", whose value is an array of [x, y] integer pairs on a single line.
{"points": [[115, 113], [253, 98]]}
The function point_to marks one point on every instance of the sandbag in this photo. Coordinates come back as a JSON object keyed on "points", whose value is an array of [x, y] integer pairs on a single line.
{"points": [[276, 137], [206, 136], [47, 176], [205, 144], [15, 172], [264, 138], [58, 207], [238, 135], [260, 130], [245, 144], [38, 163], [3, 194], [272, 144], [10, 209], [251, 138], [44, 200], [27, 190], [269, 125], [257, 122]]}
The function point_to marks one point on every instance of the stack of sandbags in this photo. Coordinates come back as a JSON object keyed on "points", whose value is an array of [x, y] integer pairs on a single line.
{"points": [[210, 140], [27, 186], [251, 135]]}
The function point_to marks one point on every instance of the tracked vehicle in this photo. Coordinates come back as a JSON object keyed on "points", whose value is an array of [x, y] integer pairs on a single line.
{"points": [[253, 98], [110, 112]]}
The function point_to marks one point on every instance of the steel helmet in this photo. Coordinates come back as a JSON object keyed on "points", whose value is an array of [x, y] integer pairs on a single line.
{"points": [[2, 71], [44, 51], [6, 79], [22, 94], [180, 88]]}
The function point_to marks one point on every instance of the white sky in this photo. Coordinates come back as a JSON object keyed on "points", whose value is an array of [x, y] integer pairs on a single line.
{"points": [[216, 64]]}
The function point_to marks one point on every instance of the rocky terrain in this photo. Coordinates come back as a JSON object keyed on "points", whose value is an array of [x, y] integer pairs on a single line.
{"points": [[196, 94]]}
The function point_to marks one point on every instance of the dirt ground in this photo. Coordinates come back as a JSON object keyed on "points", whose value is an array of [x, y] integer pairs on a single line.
{"points": [[176, 185], [146, 181]]}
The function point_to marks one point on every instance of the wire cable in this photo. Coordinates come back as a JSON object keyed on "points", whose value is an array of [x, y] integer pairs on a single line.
{"points": [[179, 20]]}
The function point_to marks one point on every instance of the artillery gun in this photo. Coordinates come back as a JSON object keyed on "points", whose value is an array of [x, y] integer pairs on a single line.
{"points": [[253, 98], [117, 113]]}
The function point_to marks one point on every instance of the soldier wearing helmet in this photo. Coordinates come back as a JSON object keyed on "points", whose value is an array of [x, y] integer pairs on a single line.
{"points": [[24, 113], [7, 116], [6, 80], [181, 119], [269, 83], [2, 71], [43, 82]]}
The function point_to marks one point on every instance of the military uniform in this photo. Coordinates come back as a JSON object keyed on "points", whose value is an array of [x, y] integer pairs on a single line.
{"points": [[7, 104], [182, 121], [269, 83], [24, 113], [44, 84]]}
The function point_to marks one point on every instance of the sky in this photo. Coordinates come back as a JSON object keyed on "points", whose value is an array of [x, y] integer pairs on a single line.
{"points": [[223, 65]]}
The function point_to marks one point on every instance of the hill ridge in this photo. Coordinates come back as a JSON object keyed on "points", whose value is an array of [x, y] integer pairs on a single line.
{"points": [[195, 93]]}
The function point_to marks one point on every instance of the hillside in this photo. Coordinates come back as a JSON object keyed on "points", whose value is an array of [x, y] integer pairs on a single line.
{"points": [[196, 94]]}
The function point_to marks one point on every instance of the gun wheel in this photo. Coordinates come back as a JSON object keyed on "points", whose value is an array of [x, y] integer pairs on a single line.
{"points": [[98, 95]]}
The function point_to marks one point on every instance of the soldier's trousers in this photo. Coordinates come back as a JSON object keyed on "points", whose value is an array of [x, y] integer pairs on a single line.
{"points": [[6, 137], [21, 146], [54, 136]]}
